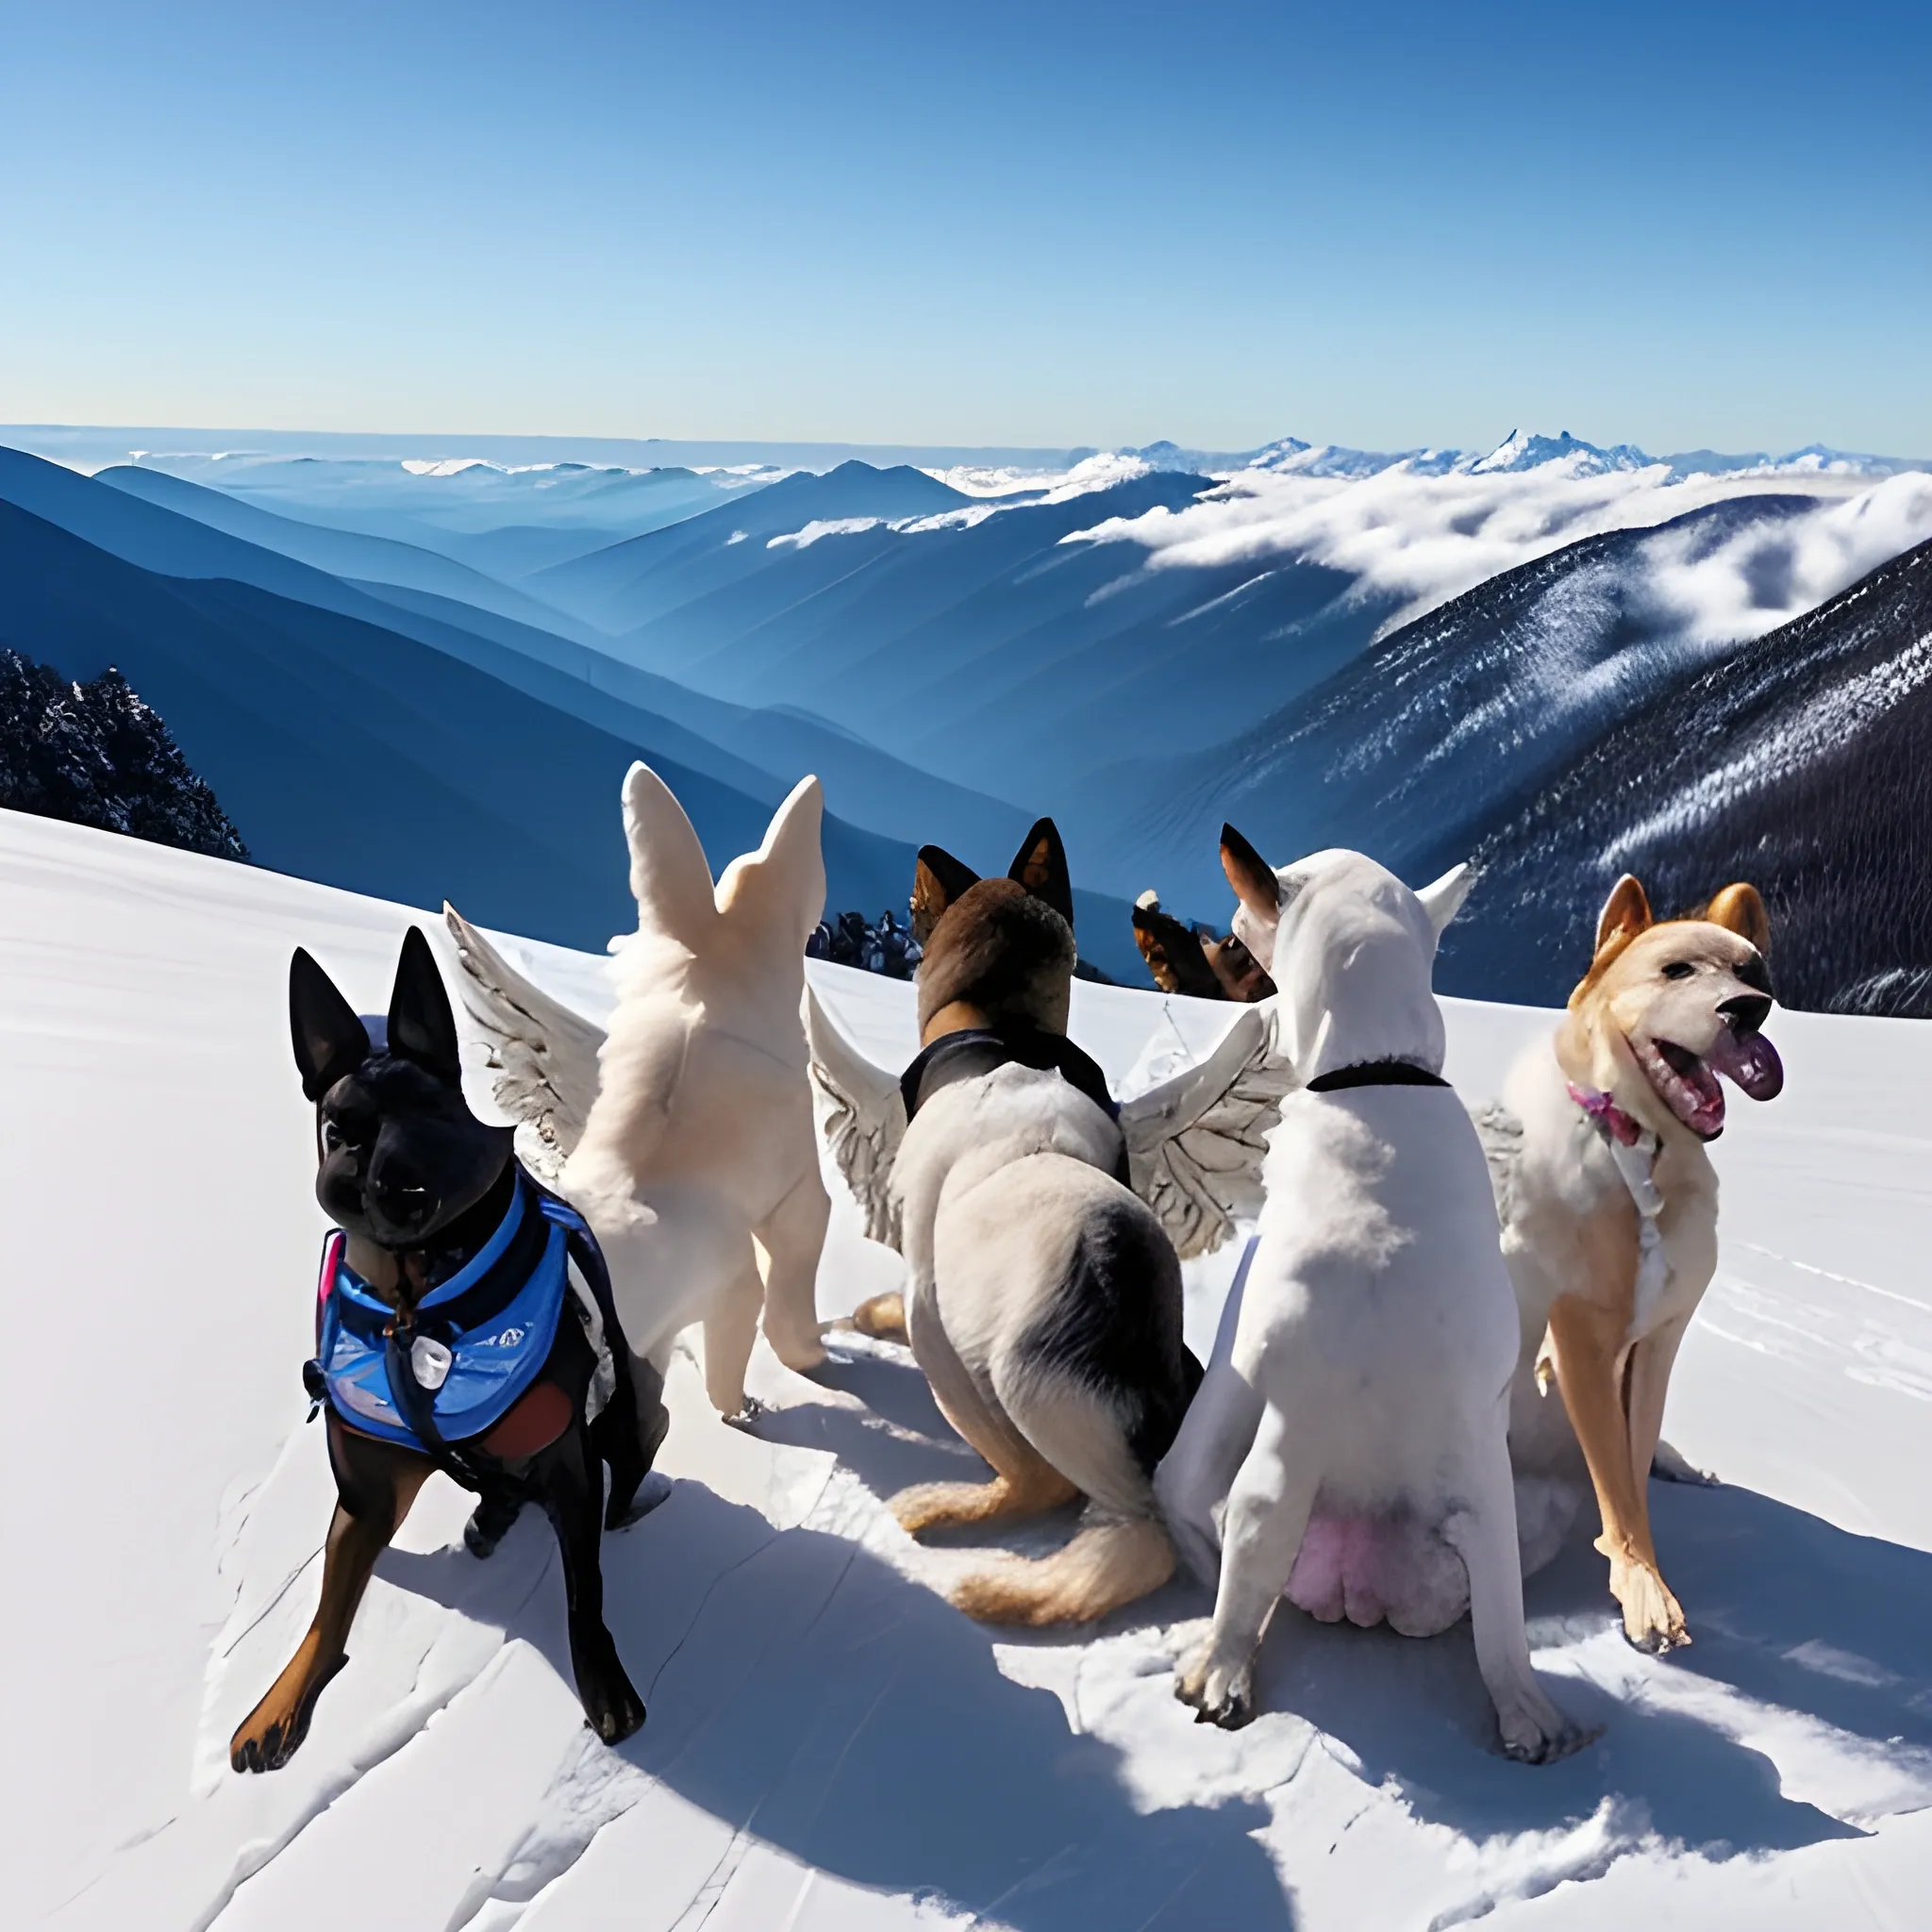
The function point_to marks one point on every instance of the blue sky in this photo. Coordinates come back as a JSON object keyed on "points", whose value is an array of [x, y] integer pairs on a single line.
{"points": [[1680, 226]]}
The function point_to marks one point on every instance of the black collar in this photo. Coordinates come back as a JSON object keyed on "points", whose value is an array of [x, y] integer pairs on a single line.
{"points": [[977, 1050], [1374, 1073]]}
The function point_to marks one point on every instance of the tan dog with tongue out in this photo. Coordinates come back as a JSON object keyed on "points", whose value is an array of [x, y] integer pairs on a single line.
{"points": [[1608, 1205]]}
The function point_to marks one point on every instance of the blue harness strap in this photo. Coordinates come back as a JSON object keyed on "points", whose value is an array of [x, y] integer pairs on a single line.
{"points": [[478, 1341]]}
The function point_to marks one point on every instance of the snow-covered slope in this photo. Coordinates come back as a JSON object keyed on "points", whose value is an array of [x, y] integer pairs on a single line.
{"points": [[830, 1747], [1800, 760], [1437, 732]]}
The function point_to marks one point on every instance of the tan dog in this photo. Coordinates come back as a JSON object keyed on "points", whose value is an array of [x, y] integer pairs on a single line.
{"points": [[1608, 1203]]}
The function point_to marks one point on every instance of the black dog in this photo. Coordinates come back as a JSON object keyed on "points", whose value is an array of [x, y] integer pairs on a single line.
{"points": [[449, 1338]]}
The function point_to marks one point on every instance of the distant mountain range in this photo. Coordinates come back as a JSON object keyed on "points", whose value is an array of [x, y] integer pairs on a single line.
{"points": [[404, 743], [1520, 451], [349, 753], [978, 643], [628, 584], [91, 448], [1403, 652], [377, 560], [505, 522]]}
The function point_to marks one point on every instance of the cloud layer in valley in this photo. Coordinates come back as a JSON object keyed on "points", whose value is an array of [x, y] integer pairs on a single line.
{"points": [[1426, 539]]}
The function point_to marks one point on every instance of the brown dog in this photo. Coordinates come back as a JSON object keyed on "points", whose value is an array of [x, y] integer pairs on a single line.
{"points": [[1608, 1201], [1043, 1299], [1183, 960], [975, 951]]}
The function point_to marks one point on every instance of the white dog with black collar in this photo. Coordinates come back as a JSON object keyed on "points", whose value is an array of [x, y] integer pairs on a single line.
{"points": [[1355, 1416]]}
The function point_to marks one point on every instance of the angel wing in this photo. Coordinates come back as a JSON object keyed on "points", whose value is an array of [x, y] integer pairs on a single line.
{"points": [[543, 1054], [1195, 1141], [865, 1121]]}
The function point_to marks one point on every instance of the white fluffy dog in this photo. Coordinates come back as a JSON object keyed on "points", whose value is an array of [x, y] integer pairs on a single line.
{"points": [[1355, 1416], [684, 1138]]}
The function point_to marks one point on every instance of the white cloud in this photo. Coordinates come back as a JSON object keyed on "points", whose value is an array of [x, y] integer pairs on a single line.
{"points": [[1101, 471], [821, 527], [1424, 538], [1769, 572]]}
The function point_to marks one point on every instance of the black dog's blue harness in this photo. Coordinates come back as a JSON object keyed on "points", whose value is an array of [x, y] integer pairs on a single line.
{"points": [[438, 1376]]}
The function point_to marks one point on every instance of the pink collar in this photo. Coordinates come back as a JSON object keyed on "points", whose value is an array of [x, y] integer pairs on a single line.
{"points": [[1606, 1116]]}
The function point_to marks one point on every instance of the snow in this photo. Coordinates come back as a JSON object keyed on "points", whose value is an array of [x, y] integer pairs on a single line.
{"points": [[830, 1747]]}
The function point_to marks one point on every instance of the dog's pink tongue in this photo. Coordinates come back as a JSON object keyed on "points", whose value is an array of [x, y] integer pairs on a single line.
{"points": [[1752, 1063]]}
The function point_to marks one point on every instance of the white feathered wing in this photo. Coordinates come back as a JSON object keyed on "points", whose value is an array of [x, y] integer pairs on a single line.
{"points": [[1194, 1141], [863, 1118], [543, 1055]]}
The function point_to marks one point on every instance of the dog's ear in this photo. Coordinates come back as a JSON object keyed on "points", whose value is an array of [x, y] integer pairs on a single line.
{"points": [[1442, 899], [1739, 909], [1041, 866], [781, 886], [329, 1038], [1626, 913], [422, 1028], [937, 879], [1253, 878], [670, 875]]}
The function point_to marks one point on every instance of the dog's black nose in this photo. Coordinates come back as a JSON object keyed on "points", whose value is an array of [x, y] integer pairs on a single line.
{"points": [[1746, 1013]]}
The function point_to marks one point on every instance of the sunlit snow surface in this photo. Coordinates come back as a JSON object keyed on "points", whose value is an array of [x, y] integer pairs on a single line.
{"points": [[830, 1747]]}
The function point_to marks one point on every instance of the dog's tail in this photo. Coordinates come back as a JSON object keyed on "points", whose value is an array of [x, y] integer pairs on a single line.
{"points": [[1107, 1563]]}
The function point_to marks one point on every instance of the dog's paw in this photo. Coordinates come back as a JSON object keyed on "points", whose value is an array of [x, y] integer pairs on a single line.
{"points": [[1534, 1731], [744, 1415], [801, 1352], [273, 1732], [1653, 1617], [613, 1708], [655, 1488], [1220, 1693], [488, 1523], [1670, 1466], [883, 1317], [1533, 1744]]}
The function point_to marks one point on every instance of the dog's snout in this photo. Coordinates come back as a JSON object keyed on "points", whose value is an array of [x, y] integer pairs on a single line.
{"points": [[398, 1194], [1746, 1013]]}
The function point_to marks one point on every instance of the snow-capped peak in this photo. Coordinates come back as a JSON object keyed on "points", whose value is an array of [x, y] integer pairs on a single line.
{"points": [[1523, 450]]}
